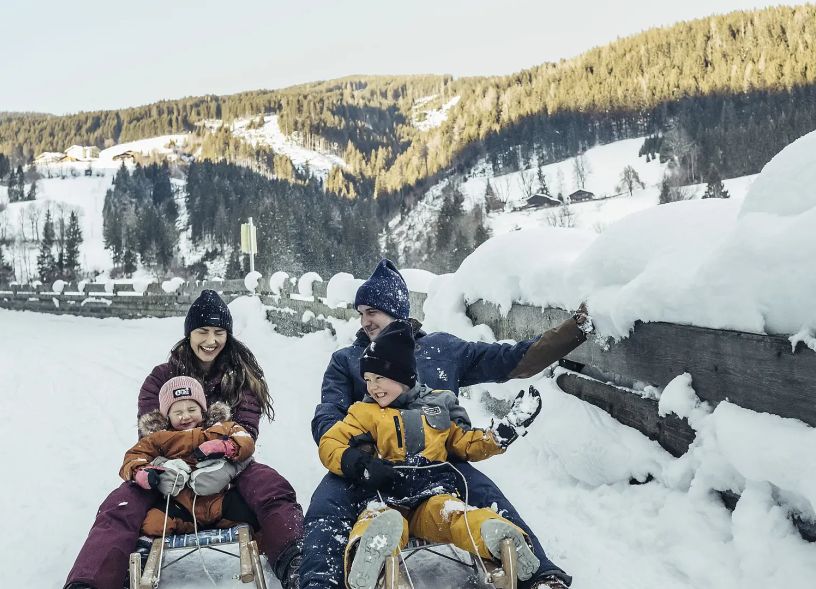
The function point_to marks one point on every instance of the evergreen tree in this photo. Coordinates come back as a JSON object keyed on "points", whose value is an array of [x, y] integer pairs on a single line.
{"points": [[46, 264], [5, 166], [235, 269], [20, 188], [73, 239], [32, 190], [481, 232], [715, 187], [543, 188], [665, 191], [129, 262], [6, 271], [12, 187]]}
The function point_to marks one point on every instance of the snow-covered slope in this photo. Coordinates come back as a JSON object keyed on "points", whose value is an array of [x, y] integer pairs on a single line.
{"points": [[425, 118], [604, 165], [319, 163], [80, 193]]}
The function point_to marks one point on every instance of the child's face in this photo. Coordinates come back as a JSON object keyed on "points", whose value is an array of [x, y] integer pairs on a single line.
{"points": [[185, 414], [383, 390]]}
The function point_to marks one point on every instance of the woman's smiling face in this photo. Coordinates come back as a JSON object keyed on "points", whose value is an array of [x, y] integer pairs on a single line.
{"points": [[207, 343]]}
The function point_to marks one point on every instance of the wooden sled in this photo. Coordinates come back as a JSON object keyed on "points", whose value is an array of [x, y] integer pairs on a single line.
{"points": [[250, 560], [444, 566]]}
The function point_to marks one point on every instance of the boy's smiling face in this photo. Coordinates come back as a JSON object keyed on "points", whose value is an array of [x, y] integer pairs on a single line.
{"points": [[383, 390]]}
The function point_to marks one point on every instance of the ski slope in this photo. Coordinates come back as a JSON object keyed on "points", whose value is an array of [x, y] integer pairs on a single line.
{"points": [[70, 399]]}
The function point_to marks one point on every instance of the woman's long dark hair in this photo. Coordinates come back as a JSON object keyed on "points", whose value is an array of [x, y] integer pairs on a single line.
{"points": [[238, 367]]}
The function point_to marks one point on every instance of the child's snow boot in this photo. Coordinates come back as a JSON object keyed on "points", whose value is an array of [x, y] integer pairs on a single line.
{"points": [[376, 544], [496, 530]]}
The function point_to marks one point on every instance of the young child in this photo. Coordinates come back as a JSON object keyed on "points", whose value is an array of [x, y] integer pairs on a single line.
{"points": [[176, 439], [412, 426]]}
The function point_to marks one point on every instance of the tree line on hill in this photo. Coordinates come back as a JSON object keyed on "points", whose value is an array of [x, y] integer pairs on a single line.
{"points": [[735, 87]]}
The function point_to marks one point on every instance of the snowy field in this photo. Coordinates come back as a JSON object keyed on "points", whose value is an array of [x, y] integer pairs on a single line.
{"points": [[70, 400]]}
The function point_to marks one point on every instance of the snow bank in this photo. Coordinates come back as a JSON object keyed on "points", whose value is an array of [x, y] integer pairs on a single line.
{"points": [[417, 280], [341, 289], [523, 266]]}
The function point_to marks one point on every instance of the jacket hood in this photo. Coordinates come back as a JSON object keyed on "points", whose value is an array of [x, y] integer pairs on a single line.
{"points": [[154, 421], [363, 340]]}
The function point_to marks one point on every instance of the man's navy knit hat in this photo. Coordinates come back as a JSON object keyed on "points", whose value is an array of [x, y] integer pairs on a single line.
{"points": [[385, 290], [208, 310], [391, 354]]}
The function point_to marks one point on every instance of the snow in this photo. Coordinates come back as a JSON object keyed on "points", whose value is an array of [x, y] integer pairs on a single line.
{"points": [[569, 476], [306, 283], [787, 185], [432, 117], [417, 280], [172, 285], [679, 398], [277, 280], [341, 289], [252, 279], [270, 134]]}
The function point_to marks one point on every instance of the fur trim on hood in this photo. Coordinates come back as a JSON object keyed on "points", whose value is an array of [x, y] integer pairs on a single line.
{"points": [[153, 422]]}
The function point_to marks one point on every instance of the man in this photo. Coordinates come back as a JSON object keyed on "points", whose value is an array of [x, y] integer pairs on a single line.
{"points": [[443, 361]]}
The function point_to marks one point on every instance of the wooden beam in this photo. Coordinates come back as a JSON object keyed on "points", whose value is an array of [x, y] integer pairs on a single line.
{"points": [[672, 433], [757, 372]]}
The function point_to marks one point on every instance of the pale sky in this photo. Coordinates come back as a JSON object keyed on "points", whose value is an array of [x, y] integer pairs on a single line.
{"points": [[65, 56]]}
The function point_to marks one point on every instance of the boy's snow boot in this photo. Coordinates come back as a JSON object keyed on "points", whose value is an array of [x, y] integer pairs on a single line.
{"points": [[495, 530], [376, 544], [549, 582]]}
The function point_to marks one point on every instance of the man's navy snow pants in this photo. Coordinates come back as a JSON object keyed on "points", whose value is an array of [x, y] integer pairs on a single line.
{"points": [[332, 512]]}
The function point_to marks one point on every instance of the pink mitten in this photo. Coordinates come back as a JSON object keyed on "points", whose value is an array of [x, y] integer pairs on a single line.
{"points": [[147, 477], [217, 449]]}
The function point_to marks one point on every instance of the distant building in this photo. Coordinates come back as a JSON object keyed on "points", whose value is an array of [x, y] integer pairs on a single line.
{"points": [[581, 195], [125, 156], [81, 153], [541, 200], [49, 157]]}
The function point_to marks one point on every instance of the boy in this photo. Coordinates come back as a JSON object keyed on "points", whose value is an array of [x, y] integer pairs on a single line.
{"points": [[173, 442], [409, 424]]}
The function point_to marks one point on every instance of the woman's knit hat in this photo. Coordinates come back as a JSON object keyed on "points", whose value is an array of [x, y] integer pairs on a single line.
{"points": [[208, 310], [391, 354], [385, 290], [181, 388]]}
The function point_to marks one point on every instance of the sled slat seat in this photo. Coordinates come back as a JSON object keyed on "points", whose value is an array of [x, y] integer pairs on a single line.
{"points": [[241, 534]]}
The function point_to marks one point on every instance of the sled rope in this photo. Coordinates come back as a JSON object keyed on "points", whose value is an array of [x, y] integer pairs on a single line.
{"points": [[467, 523], [164, 531], [198, 545]]}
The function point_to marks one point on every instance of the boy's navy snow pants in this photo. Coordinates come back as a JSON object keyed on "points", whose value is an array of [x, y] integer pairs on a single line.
{"points": [[334, 509]]}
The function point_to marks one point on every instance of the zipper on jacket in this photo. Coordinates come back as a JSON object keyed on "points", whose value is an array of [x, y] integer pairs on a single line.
{"points": [[399, 431]]}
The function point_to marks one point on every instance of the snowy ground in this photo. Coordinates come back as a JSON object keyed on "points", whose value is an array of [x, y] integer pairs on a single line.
{"points": [[70, 398]]}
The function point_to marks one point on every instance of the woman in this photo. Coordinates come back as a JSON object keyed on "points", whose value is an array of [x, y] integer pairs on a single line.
{"points": [[230, 374]]}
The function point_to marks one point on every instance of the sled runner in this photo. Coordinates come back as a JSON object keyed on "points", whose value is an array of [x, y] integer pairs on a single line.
{"points": [[444, 566], [250, 561]]}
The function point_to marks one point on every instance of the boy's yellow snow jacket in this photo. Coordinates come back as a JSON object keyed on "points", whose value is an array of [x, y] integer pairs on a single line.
{"points": [[421, 421]]}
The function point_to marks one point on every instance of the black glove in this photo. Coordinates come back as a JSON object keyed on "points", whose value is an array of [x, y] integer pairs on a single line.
{"points": [[526, 407], [367, 471]]}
